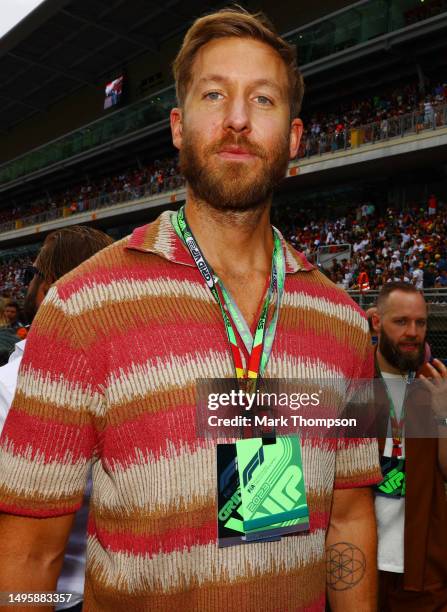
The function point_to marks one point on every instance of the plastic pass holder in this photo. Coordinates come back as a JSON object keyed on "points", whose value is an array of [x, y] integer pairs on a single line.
{"points": [[393, 483], [261, 491]]}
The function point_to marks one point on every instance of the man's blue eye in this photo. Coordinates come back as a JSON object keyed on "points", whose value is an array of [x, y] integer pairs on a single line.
{"points": [[263, 100], [213, 95]]}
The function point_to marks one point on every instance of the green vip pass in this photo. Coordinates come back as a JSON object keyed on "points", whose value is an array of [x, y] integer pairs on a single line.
{"points": [[393, 472], [272, 484]]}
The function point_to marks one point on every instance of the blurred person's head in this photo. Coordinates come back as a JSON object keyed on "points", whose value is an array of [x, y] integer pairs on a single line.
{"points": [[401, 324], [12, 312], [62, 251]]}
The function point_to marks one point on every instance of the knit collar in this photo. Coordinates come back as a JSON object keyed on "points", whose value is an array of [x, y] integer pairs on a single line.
{"points": [[161, 239]]}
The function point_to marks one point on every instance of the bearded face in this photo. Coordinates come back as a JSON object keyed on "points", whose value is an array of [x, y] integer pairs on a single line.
{"points": [[228, 185], [398, 354]]}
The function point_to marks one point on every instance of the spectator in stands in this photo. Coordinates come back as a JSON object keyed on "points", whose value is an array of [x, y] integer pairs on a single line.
{"points": [[432, 205], [418, 276], [13, 315], [429, 114], [429, 276], [412, 518], [441, 263], [441, 280], [128, 334], [62, 251]]}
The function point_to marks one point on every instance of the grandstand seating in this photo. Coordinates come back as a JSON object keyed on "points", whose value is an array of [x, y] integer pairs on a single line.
{"points": [[378, 117], [161, 175], [386, 114]]}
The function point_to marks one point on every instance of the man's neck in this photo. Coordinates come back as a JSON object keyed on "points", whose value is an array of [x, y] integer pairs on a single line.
{"points": [[385, 365], [232, 242]]}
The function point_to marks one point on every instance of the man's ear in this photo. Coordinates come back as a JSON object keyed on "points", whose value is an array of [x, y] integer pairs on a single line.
{"points": [[375, 320], [176, 118], [296, 131]]}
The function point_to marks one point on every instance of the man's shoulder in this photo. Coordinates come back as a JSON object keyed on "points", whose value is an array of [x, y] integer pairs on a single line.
{"points": [[106, 259], [111, 264], [125, 258], [135, 267]]}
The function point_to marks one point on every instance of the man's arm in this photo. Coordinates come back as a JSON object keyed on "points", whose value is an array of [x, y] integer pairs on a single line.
{"points": [[31, 554], [351, 552]]}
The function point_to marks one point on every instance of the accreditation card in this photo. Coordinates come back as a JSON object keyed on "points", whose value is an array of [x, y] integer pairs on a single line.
{"points": [[272, 482], [282, 501]]}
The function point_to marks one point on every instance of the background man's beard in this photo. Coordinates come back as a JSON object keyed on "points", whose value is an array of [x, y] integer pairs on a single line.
{"points": [[397, 358], [230, 186]]}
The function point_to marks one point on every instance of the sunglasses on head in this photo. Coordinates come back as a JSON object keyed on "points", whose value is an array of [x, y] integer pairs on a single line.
{"points": [[29, 273]]}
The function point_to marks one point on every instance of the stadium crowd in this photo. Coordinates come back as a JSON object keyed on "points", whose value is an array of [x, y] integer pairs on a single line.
{"points": [[11, 279], [387, 244], [408, 245], [131, 182], [323, 132], [328, 131]]}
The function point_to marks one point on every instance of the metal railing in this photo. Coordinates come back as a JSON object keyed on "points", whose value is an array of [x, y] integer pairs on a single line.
{"points": [[366, 299], [432, 118], [104, 200]]}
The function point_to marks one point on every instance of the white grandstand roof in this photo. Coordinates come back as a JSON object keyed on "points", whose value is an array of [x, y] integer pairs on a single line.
{"points": [[13, 11]]}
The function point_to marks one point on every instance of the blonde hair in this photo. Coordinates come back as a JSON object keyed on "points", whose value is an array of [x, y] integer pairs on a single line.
{"points": [[236, 22]]}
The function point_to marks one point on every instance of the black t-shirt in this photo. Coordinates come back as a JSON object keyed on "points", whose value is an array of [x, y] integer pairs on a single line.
{"points": [[429, 279]]}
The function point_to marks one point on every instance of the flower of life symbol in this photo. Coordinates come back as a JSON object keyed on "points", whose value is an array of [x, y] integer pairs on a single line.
{"points": [[345, 566]]}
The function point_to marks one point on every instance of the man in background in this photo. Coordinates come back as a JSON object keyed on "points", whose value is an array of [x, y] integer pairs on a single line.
{"points": [[62, 251], [411, 520]]}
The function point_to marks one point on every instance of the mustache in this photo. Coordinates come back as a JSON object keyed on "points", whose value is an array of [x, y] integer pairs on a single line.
{"points": [[237, 140]]}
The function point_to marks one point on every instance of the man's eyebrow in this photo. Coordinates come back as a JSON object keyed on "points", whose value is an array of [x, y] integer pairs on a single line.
{"points": [[218, 78], [213, 78], [268, 83]]}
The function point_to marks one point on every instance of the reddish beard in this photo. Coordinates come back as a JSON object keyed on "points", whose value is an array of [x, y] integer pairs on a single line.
{"points": [[397, 358], [233, 186]]}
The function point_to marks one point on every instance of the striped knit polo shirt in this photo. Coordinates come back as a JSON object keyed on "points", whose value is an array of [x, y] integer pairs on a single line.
{"points": [[108, 380]]}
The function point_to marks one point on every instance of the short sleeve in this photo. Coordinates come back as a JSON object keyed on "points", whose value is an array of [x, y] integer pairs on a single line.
{"points": [[357, 459], [50, 437], [357, 463]]}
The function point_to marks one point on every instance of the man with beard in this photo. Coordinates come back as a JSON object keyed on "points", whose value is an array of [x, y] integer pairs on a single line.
{"points": [[62, 251], [114, 354], [412, 518]]}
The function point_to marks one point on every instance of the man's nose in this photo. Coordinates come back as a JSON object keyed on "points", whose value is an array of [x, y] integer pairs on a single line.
{"points": [[237, 116], [411, 329]]}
